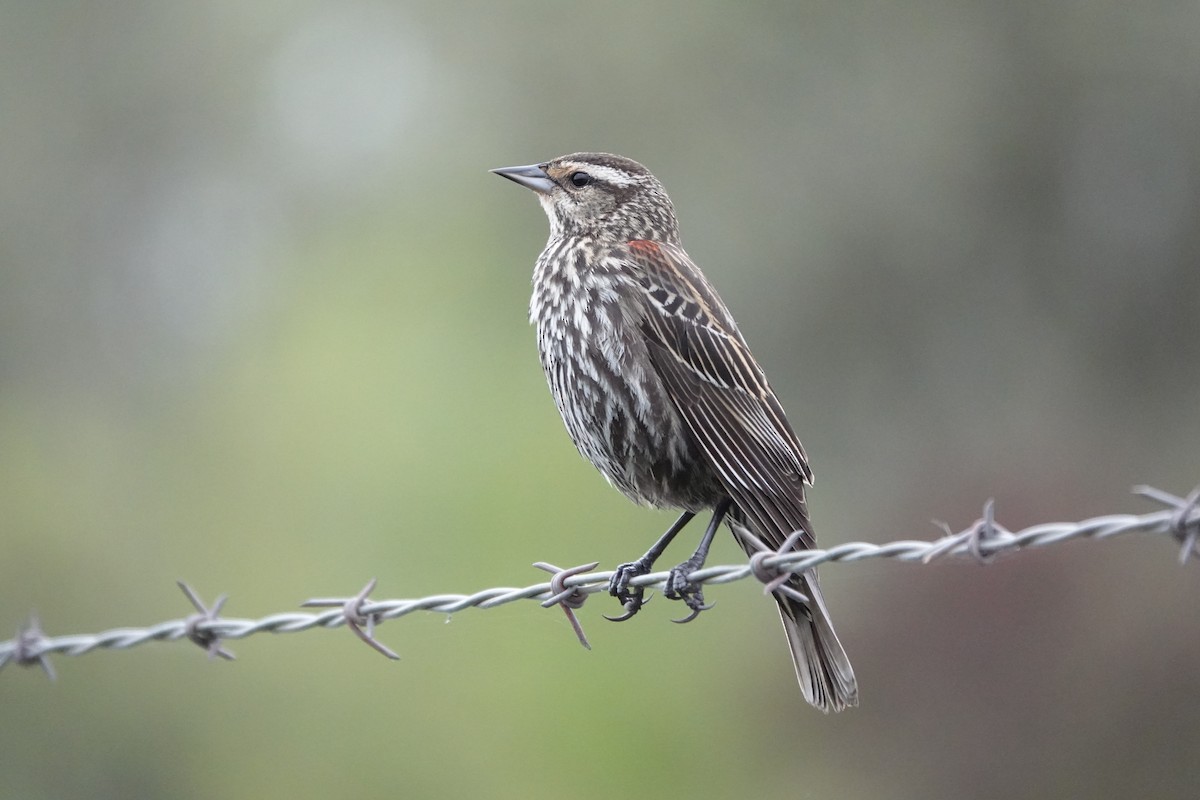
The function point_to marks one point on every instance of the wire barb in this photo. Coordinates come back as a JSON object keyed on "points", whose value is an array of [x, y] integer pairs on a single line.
{"points": [[1184, 526], [975, 538], [569, 598], [773, 578], [357, 618], [982, 540], [196, 626], [30, 647]]}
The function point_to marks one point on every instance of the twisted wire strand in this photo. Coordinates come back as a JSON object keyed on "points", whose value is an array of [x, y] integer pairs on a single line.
{"points": [[983, 540]]}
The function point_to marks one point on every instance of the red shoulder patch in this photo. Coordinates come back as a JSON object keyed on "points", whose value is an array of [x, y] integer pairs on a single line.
{"points": [[644, 246]]}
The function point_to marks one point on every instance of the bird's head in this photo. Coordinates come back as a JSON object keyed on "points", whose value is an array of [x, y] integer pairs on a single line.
{"points": [[599, 195]]}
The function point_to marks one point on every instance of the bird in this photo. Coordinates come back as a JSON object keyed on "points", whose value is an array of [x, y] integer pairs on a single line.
{"points": [[660, 392]]}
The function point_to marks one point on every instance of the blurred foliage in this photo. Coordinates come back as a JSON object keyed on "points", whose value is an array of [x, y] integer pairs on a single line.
{"points": [[262, 328]]}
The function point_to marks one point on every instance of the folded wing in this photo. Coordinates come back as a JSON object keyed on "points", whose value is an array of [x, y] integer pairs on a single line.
{"points": [[722, 394]]}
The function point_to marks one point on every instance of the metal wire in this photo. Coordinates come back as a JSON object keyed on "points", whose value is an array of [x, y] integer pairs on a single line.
{"points": [[981, 541]]}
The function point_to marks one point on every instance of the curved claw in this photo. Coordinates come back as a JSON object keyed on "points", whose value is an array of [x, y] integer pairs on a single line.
{"points": [[695, 613], [631, 606], [630, 610]]}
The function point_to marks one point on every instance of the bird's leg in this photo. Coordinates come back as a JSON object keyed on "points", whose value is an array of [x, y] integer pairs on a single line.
{"points": [[679, 581], [633, 598]]}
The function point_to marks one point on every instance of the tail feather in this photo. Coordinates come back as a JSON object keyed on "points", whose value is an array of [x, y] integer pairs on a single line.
{"points": [[824, 671]]}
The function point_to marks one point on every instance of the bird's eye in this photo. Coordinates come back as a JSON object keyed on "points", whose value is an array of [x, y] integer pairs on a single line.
{"points": [[580, 179]]}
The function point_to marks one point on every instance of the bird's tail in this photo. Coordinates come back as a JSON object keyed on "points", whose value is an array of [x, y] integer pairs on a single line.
{"points": [[824, 671]]}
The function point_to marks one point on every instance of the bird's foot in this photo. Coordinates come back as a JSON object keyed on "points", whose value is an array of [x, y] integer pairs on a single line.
{"points": [[631, 597], [681, 587]]}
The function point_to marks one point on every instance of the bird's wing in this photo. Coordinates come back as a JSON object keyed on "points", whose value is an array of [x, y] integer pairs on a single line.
{"points": [[721, 392]]}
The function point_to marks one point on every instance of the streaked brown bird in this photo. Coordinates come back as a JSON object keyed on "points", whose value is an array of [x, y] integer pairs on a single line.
{"points": [[660, 392]]}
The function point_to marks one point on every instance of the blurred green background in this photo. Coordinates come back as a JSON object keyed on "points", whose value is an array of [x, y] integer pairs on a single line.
{"points": [[262, 328]]}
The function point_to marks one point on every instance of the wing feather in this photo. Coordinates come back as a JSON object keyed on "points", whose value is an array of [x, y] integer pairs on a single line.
{"points": [[722, 394]]}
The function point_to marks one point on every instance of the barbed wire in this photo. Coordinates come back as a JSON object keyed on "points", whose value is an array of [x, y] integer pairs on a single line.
{"points": [[982, 540]]}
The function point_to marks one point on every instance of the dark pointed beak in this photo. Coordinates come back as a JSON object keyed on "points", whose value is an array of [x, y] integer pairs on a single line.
{"points": [[531, 177]]}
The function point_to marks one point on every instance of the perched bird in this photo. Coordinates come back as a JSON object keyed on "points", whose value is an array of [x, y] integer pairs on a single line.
{"points": [[660, 392]]}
